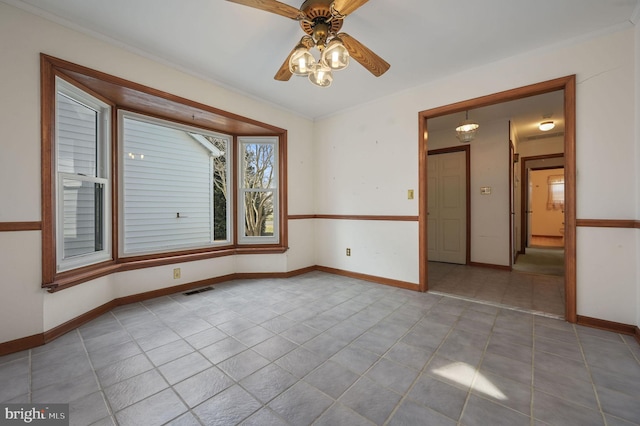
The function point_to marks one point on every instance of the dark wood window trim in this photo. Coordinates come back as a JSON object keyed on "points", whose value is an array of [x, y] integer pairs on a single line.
{"points": [[124, 94]]}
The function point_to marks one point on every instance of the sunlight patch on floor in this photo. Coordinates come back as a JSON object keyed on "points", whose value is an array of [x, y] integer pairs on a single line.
{"points": [[463, 374]]}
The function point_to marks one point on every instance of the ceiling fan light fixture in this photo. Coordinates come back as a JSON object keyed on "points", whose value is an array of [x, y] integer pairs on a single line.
{"points": [[466, 131], [545, 126], [321, 75], [301, 61], [335, 55], [321, 21]]}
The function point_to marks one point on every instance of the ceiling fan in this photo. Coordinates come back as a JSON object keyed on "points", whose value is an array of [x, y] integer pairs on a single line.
{"points": [[321, 20]]}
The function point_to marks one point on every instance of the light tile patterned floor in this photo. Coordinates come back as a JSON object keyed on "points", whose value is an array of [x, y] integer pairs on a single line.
{"points": [[531, 292], [327, 350]]}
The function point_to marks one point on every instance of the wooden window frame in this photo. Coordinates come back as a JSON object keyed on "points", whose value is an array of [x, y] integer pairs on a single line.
{"points": [[242, 191], [124, 94], [128, 115], [101, 176]]}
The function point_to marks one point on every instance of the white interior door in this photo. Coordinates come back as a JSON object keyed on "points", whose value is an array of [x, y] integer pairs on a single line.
{"points": [[447, 207]]}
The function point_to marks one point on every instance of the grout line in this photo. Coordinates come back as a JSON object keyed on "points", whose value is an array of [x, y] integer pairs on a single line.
{"points": [[588, 367], [499, 305], [423, 369], [478, 374], [156, 368]]}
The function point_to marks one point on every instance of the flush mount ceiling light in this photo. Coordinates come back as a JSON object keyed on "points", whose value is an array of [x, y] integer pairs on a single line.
{"points": [[467, 130], [545, 126], [321, 20]]}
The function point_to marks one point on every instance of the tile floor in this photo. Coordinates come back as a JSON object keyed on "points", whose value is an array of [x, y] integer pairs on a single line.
{"points": [[542, 294], [327, 350]]}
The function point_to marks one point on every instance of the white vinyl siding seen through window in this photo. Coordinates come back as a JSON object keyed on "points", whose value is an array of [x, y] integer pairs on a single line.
{"points": [[82, 181], [167, 186], [133, 177]]}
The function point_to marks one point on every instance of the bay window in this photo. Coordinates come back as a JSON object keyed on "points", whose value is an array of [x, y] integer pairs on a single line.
{"points": [[133, 177]]}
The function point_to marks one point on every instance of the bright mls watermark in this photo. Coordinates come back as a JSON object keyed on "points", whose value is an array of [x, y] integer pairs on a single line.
{"points": [[34, 414]]}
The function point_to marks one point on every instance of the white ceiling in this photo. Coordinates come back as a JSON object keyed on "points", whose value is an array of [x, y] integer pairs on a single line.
{"points": [[525, 115], [242, 48]]}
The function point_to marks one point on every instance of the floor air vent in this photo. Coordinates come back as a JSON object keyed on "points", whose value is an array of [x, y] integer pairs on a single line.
{"points": [[196, 291]]}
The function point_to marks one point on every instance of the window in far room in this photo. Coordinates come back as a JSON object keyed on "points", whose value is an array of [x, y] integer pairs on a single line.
{"points": [[555, 197]]}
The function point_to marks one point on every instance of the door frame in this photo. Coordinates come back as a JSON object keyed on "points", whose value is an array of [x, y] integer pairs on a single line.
{"points": [[524, 196], [568, 86], [467, 160]]}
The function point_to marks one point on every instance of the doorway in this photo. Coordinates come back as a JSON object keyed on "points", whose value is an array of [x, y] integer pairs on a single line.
{"points": [[541, 248], [567, 86]]}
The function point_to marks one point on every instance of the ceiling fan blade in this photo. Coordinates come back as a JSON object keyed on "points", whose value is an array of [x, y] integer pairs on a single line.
{"points": [[273, 6], [346, 7], [374, 63], [284, 74]]}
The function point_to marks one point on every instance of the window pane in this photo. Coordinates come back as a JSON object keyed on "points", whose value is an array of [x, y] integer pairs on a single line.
{"points": [[220, 189], [77, 137], [258, 208], [555, 198], [258, 176], [259, 163], [82, 217], [174, 188]]}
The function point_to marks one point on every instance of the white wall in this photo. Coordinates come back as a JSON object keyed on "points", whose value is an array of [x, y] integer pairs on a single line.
{"points": [[533, 148], [489, 167], [378, 248], [490, 213], [364, 166], [28, 308], [350, 147]]}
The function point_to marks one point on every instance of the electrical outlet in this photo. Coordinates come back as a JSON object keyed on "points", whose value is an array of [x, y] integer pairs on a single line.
{"points": [[348, 252], [176, 273]]}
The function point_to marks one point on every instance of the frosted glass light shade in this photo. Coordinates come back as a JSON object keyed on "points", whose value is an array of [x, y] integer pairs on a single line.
{"points": [[301, 61], [335, 55], [545, 126], [467, 130], [321, 75]]}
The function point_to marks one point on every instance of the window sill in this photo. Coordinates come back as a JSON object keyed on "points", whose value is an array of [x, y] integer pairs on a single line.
{"points": [[69, 279]]}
